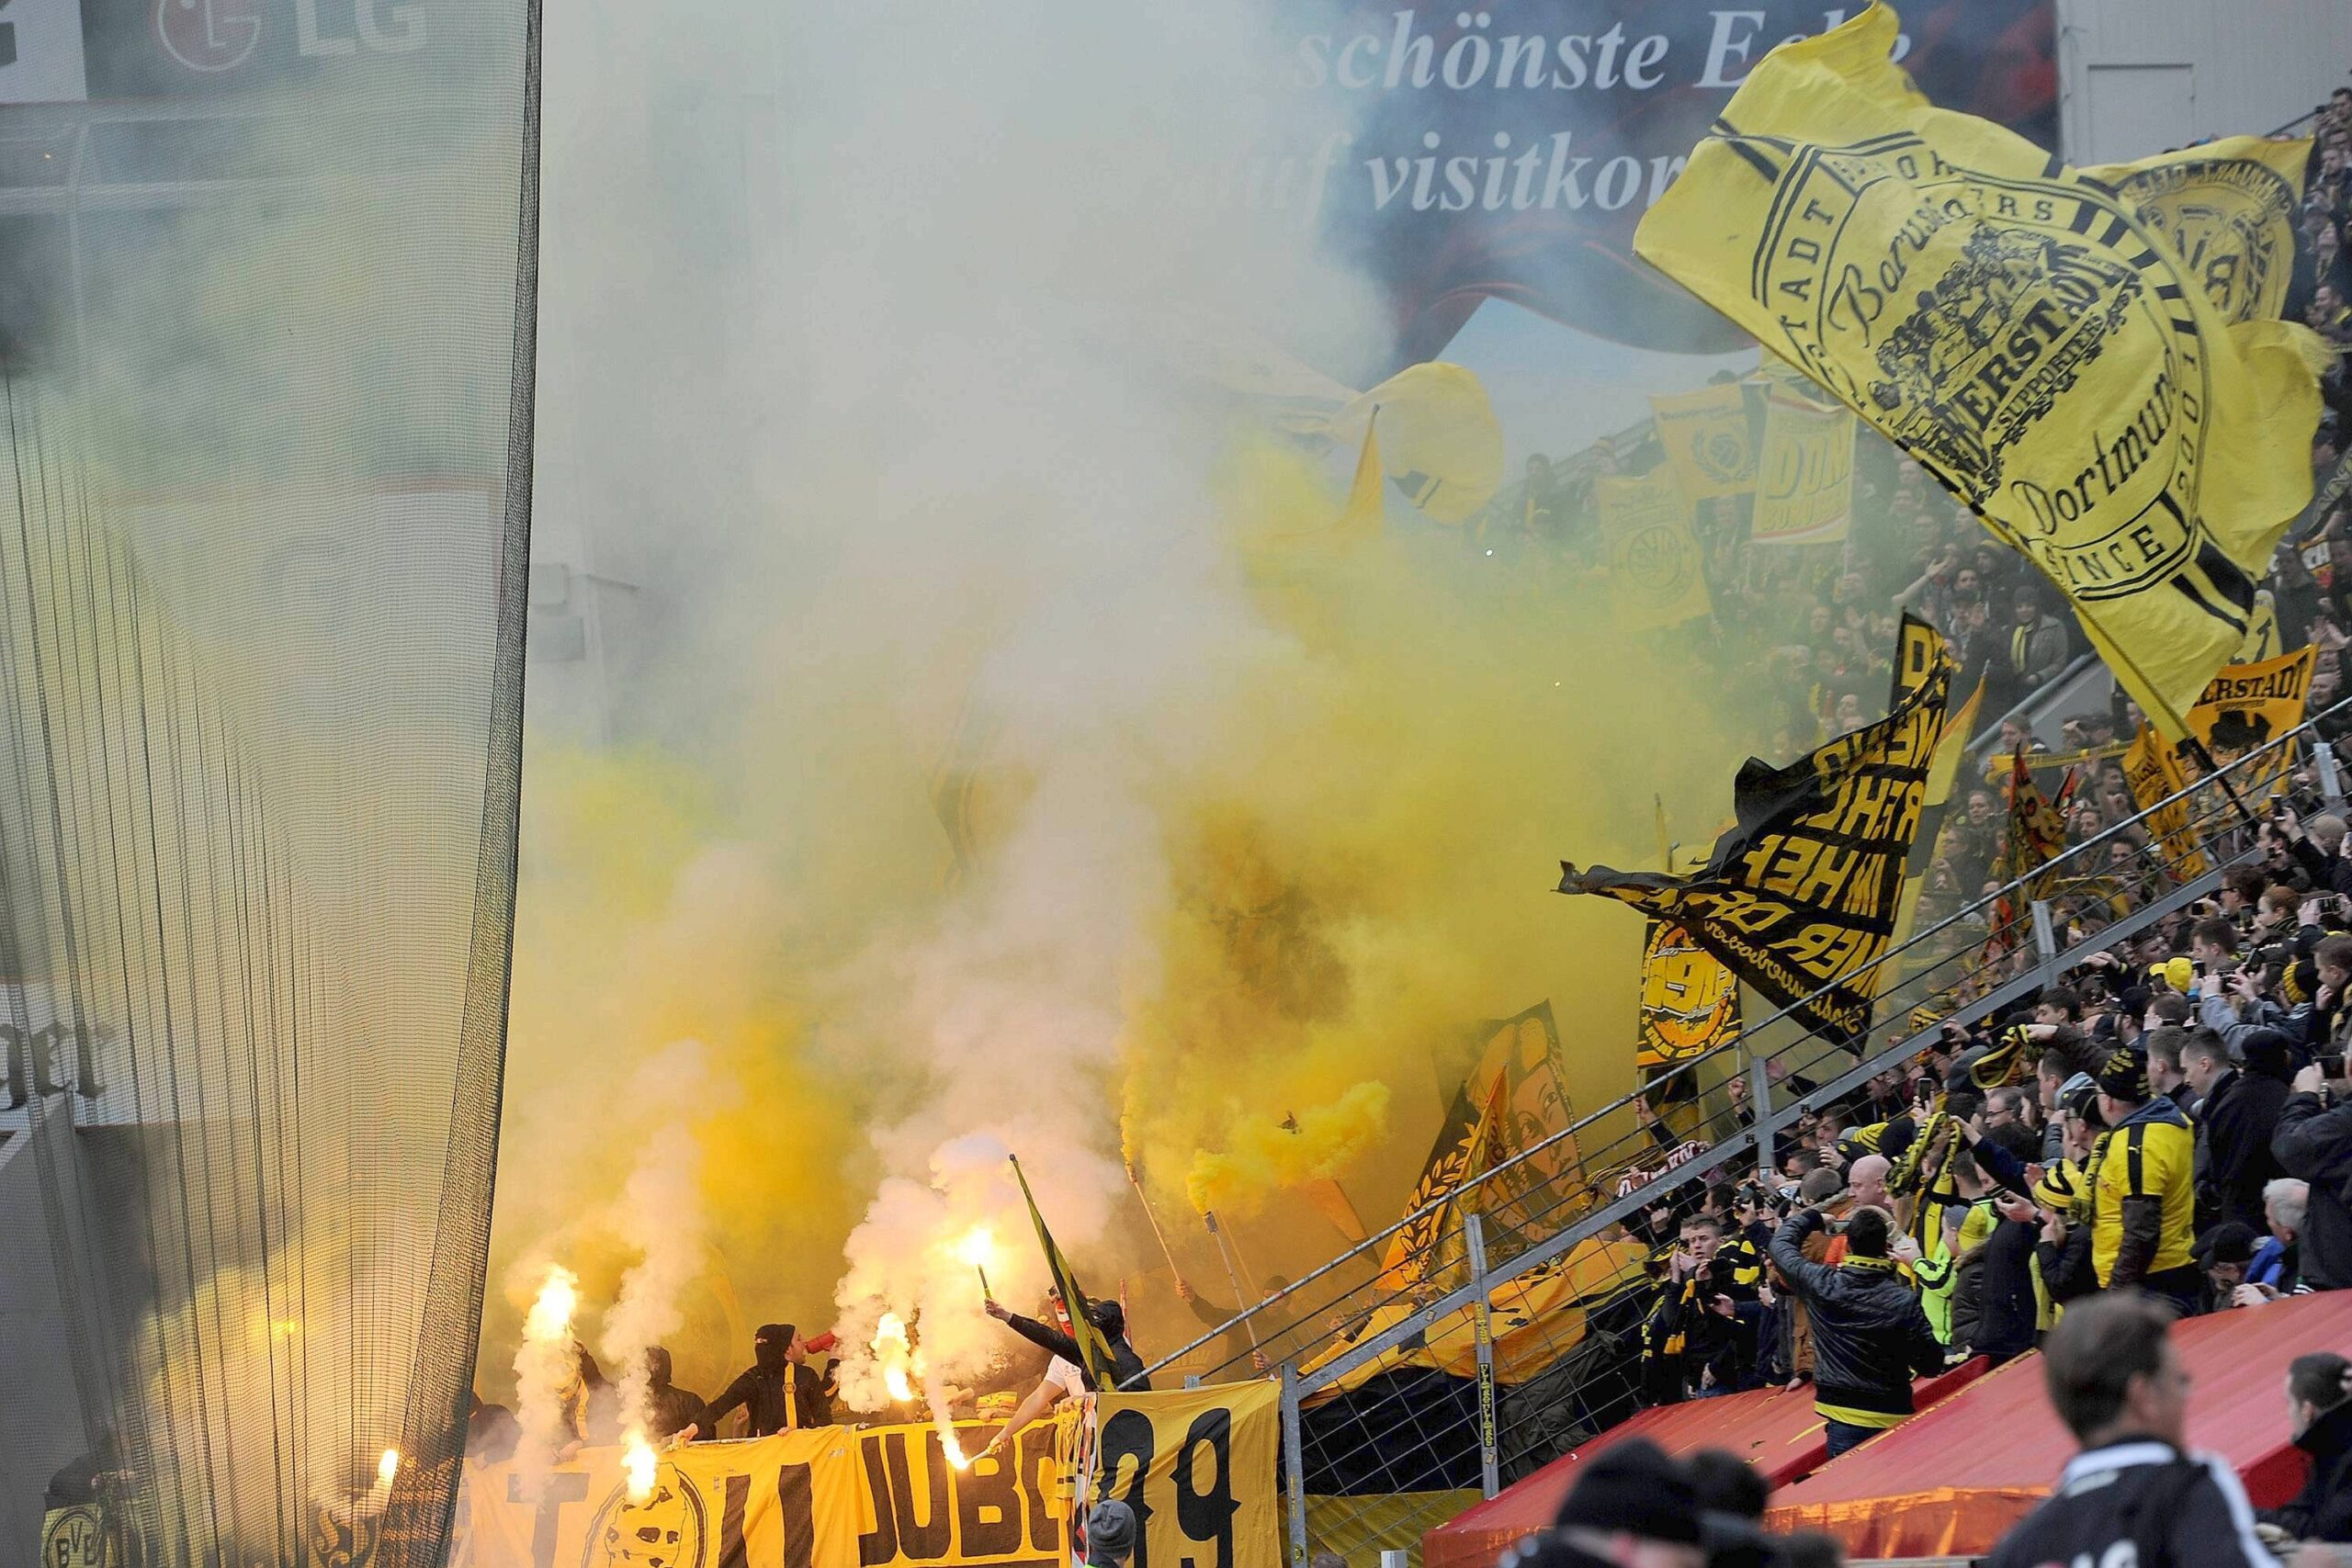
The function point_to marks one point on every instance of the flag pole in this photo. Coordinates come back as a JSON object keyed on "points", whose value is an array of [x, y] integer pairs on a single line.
{"points": [[1156, 1234], [1242, 1304]]}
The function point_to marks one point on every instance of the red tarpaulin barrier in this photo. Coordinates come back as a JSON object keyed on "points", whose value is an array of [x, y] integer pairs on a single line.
{"points": [[1778, 1433], [1950, 1482]]}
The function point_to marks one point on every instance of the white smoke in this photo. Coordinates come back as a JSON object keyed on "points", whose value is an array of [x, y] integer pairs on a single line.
{"points": [[547, 1379], [905, 451], [660, 1217]]}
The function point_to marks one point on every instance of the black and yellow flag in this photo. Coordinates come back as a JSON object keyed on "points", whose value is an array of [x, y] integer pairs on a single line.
{"points": [[1513, 1100], [2227, 208], [2154, 773], [2246, 707], [1689, 1002], [2017, 328], [2037, 828], [1918, 649], [1802, 893], [1093, 1353]]}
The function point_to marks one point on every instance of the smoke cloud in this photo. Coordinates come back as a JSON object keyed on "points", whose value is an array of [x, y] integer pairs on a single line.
{"points": [[1006, 761]]}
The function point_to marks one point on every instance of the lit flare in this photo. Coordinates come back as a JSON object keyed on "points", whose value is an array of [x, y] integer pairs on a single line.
{"points": [[387, 1467], [637, 1462]]}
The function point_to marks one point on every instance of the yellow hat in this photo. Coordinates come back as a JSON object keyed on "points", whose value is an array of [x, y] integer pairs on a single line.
{"points": [[2175, 972], [2060, 1185]]}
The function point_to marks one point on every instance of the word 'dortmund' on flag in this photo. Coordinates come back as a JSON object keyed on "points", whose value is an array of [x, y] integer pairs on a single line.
{"points": [[2018, 330], [1804, 478], [1803, 894]]}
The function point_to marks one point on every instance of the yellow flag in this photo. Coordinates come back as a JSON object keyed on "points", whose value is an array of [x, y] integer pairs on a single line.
{"points": [[2018, 330], [2155, 777], [1804, 479], [1440, 439], [2227, 209], [2248, 705], [1656, 571], [1704, 435], [1365, 504]]}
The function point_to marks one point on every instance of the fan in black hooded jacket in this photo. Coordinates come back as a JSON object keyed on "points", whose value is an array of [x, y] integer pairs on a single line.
{"points": [[1110, 1318], [2322, 1509]]}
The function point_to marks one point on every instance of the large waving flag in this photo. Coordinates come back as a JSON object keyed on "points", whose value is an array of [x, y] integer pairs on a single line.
{"points": [[1093, 1352], [1801, 898], [2020, 330]]}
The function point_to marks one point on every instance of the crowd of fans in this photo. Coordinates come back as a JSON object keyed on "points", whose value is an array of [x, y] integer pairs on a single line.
{"points": [[2134, 1495]]}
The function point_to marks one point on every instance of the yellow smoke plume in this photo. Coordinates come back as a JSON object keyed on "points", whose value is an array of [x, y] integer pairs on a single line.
{"points": [[1264, 1157]]}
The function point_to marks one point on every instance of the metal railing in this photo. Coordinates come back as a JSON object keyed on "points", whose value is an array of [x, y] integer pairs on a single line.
{"points": [[1504, 1316]]}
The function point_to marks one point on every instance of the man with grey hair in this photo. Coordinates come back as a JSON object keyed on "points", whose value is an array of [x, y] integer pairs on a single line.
{"points": [[2271, 1272]]}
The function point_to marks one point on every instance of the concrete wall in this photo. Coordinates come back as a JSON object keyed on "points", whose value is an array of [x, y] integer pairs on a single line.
{"points": [[2137, 76]]}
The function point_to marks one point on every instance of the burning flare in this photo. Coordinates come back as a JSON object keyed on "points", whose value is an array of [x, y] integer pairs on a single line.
{"points": [[977, 1247], [637, 1462], [387, 1467], [550, 1317], [895, 1355]]}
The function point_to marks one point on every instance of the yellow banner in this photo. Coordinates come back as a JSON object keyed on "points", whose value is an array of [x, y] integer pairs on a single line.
{"points": [[1805, 481], [1655, 571], [1689, 1002], [1707, 445], [2154, 774], [2248, 705], [2019, 331], [2227, 208], [1197, 1466], [77, 1537], [827, 1497]]}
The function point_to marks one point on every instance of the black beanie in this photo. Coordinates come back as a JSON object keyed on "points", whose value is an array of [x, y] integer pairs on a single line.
{"points": [[1633, 1487], [2124, 1077]]}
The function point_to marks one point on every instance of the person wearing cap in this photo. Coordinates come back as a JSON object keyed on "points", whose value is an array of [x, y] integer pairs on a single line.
{"points": [[2222, 1253], [1870, 1333], [779, 1392], [2063, 1256], [2143, 1198], [1632, 1507], [2134, 1494], [1110, 1534]]}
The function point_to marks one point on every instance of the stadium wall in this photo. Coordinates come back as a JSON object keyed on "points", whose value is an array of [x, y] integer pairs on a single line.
{"points": [[2138, 76]]}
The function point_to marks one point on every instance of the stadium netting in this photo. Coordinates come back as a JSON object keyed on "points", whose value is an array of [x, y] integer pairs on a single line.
{"points": [[263, 530]]}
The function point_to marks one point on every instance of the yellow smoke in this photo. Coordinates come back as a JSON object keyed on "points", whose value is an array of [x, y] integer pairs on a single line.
{"points": [[1264, 1157]]}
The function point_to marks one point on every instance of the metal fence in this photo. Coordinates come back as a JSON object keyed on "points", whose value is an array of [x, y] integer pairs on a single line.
{"points": [[1486, 1334]]}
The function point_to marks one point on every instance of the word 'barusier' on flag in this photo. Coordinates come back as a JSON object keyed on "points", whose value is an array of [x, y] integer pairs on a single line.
{"points": [[2020, 331], [1802, 896]]}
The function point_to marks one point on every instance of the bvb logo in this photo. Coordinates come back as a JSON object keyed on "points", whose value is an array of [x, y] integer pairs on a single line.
{"points": [[664, 1531], [1723, 454], [1657, 561], [72, 1538], [2227, 219]]}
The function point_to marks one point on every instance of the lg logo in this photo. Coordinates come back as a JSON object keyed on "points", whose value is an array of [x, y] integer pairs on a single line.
{"points": [[208, 35], [213, 35]]}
